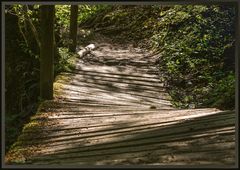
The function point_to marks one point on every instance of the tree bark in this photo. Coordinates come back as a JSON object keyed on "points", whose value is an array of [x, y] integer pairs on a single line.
{"points": [[46, 51], [56, 53], [73, 28]]}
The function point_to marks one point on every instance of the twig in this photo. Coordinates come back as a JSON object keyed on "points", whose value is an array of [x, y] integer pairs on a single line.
{"points": [[20, 29], [33, 29]]}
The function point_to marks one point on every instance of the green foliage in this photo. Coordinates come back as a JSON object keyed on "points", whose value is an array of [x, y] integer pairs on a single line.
{"points": [[87, 11], [192, 52], [62, 13], [223, 93], [84, 13], [62, 24], [65, 61]]}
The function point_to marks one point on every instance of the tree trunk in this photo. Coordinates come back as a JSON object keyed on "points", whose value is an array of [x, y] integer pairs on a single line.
{"points": [[73, 28], [46, 51], [56, 53]]}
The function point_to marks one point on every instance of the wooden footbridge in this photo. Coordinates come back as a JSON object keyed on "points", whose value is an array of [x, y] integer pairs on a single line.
{"points": [[113, 110]]}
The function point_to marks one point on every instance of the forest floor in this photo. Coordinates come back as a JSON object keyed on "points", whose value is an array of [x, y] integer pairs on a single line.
{"points": [[114, 110]]}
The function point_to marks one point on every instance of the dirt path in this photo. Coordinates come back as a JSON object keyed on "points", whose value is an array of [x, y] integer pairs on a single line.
{"points": [[113, 110]]}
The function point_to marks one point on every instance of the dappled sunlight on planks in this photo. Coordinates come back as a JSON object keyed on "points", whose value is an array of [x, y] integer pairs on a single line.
{"points": [[104, 115]]}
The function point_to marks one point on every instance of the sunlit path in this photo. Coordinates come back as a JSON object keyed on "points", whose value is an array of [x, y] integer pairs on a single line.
{"points": [[113, 110]]}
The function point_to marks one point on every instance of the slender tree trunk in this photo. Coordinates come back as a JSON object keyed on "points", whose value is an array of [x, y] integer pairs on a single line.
{"points": [[56, 53], [73, 28], [47, 51]]}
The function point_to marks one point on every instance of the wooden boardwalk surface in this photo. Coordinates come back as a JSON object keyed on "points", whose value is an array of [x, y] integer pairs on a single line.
{"points": [[113, 110]]}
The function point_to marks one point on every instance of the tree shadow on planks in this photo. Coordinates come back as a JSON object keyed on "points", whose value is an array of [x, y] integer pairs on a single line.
{"points": [[125, 86], [201, 140], [148, 83], [103, 118], [119, 56]]}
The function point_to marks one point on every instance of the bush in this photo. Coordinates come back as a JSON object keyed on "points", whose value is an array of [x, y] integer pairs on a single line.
{"points": [[192, 45], [65, 62], [222, 94]]}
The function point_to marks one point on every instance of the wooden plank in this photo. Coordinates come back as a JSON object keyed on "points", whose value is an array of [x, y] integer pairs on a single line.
{"points": [[90, 123]]}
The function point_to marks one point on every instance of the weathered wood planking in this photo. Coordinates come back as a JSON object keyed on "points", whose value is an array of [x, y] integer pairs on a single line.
{"points": [[109, 114]]}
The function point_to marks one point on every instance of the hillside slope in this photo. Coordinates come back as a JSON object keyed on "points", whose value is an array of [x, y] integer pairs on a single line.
{"points": [[195, 47]]}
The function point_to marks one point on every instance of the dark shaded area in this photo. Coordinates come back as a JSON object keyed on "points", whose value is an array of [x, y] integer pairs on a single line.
{"points": [[21, 75], [229, 58]]}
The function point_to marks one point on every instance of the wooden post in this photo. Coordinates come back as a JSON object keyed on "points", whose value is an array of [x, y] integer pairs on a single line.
{"points": [[73, 28], [46, 51]]}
